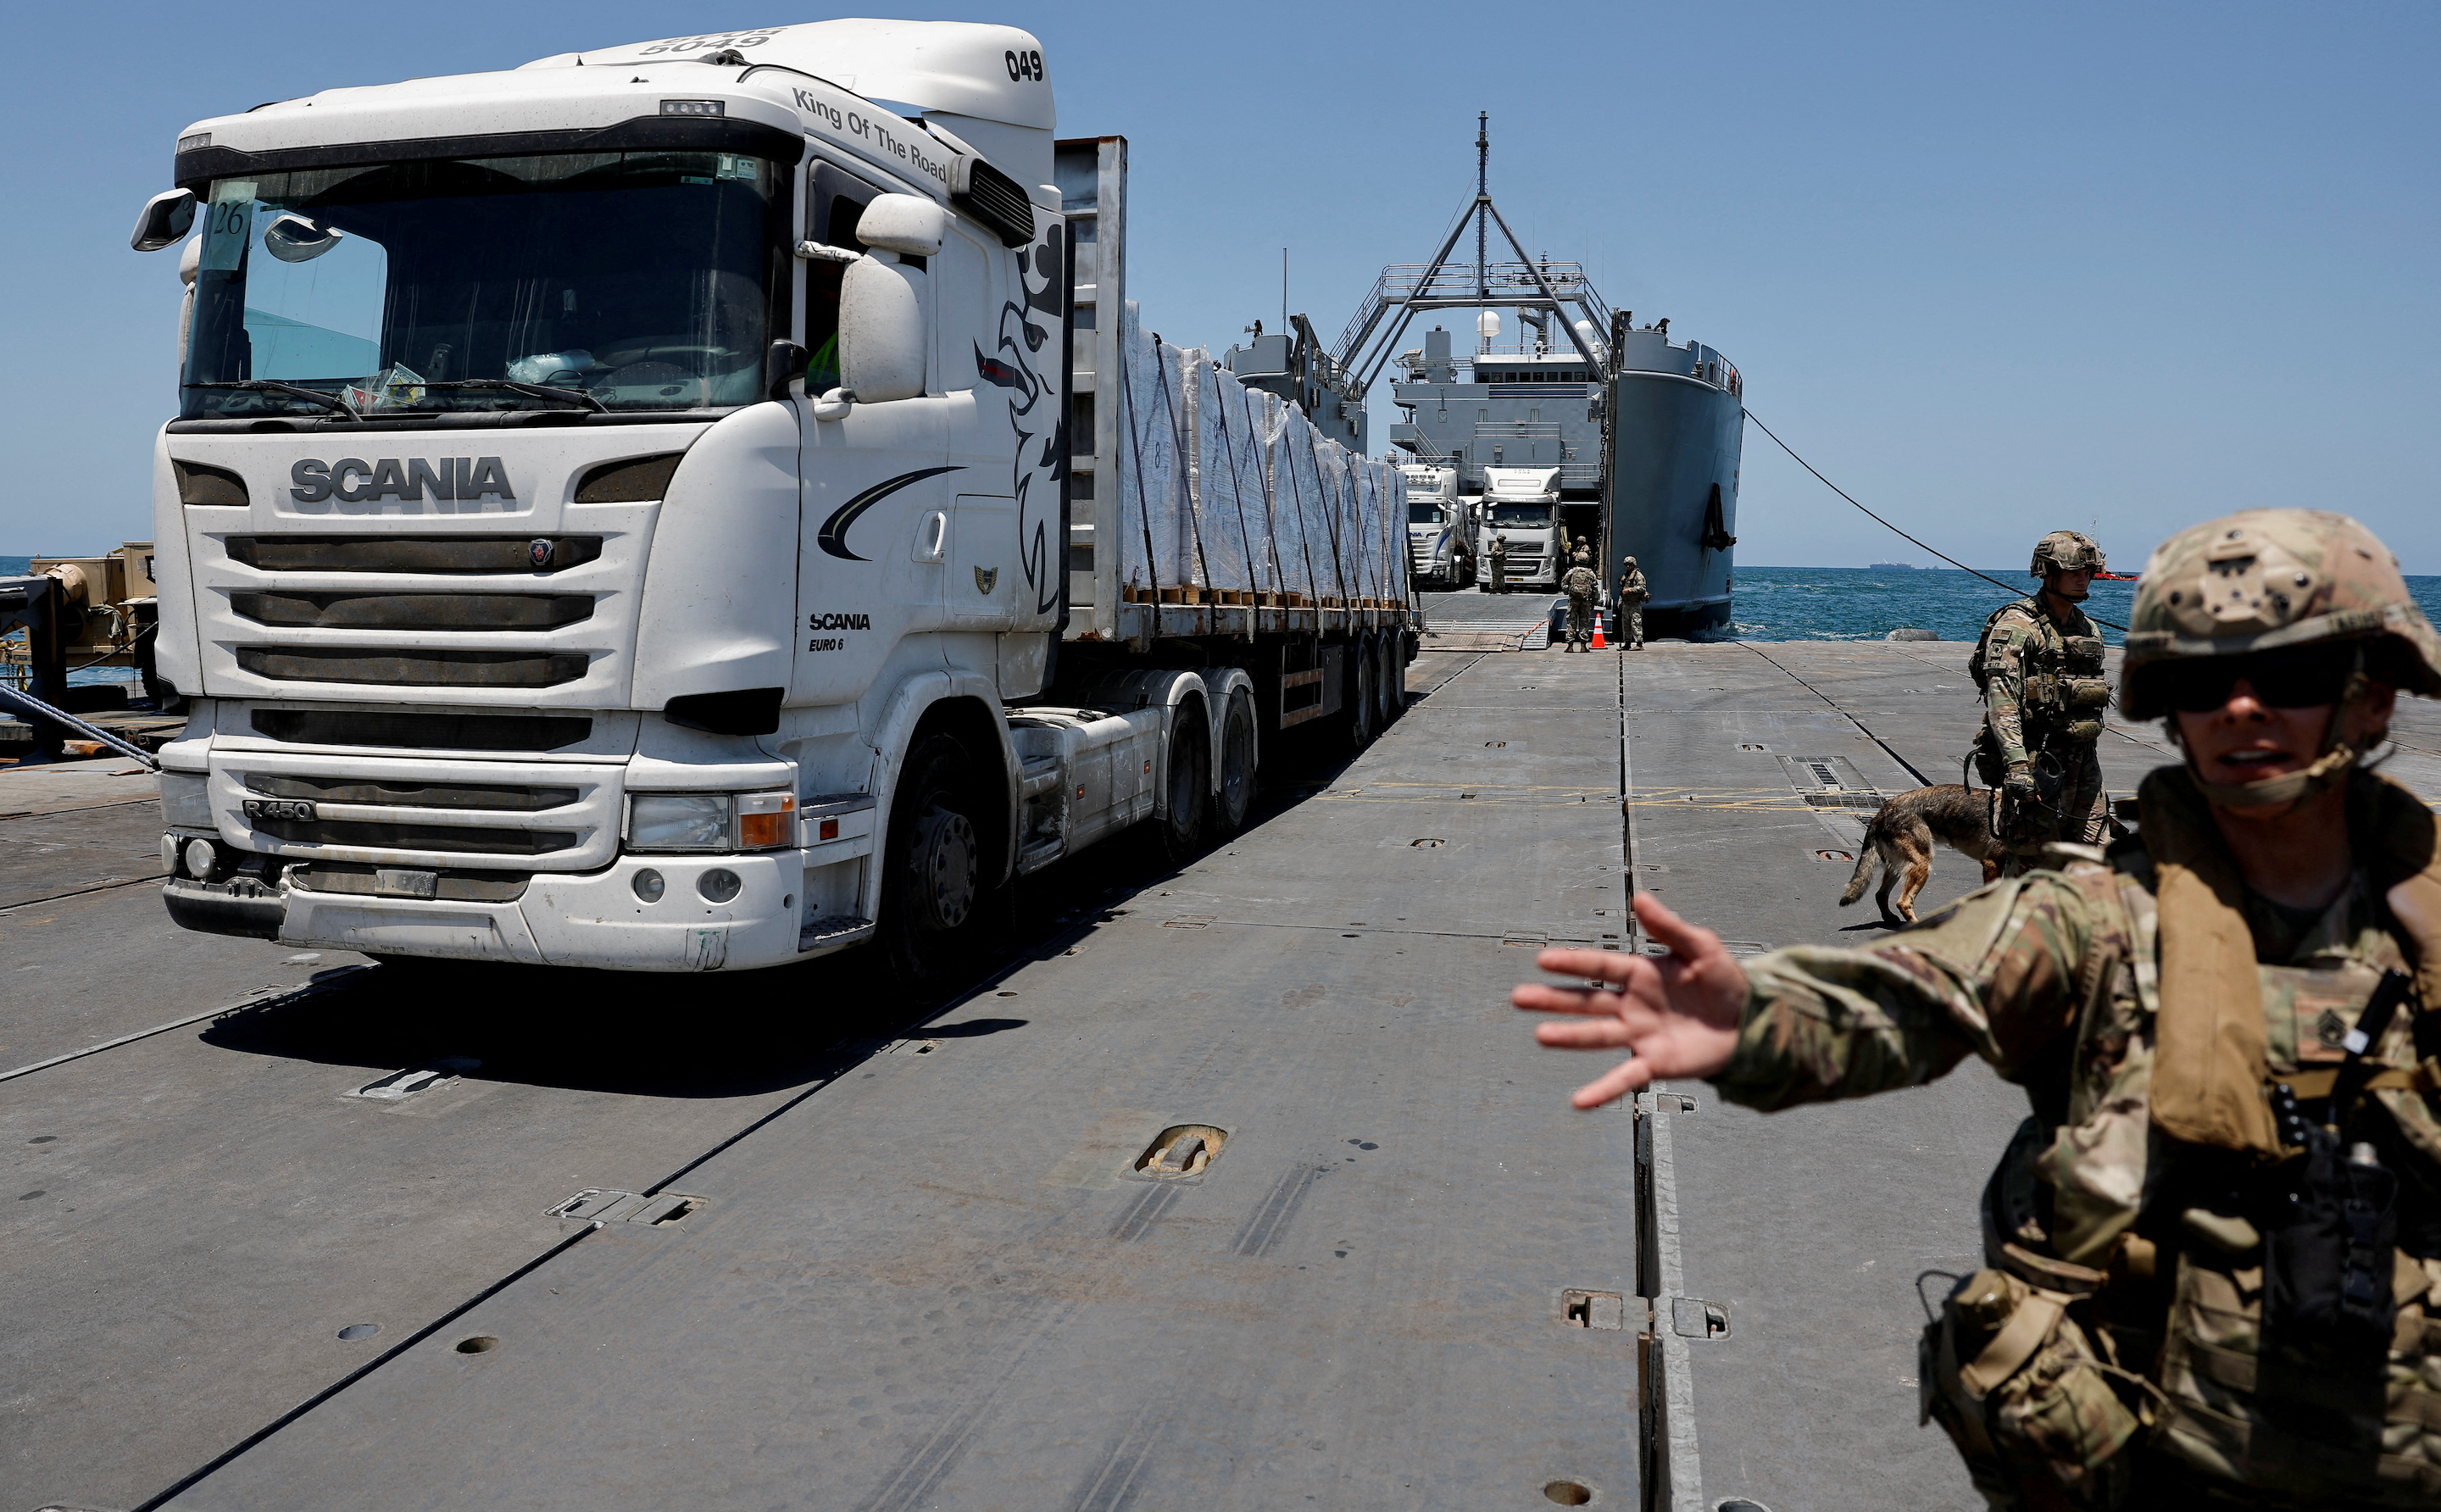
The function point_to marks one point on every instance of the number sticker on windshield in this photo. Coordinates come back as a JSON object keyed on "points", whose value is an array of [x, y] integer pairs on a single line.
{"points": [[225, 229]]}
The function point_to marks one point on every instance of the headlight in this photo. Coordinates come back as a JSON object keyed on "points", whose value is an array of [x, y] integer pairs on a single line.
{"points": [[185, 800], [711, 821], [678, 821]]}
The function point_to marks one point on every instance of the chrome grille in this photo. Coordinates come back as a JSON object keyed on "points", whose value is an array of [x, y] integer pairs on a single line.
{"points": [[422, 731], [384, 667], [413, 553], [339, 812], [414, 611]]}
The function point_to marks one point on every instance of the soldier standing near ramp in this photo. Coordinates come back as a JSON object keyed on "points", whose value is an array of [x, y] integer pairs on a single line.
{"points": [[2038, 665], [2213, 1250], [1499, 562], [1633, 592], [1580, 583]]}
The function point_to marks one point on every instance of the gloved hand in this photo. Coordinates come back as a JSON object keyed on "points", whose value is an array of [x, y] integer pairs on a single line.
{"points": [[2019, 788]]}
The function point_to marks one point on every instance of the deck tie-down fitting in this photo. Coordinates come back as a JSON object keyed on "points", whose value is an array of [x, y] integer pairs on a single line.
{"points": [[1178, 1151]]}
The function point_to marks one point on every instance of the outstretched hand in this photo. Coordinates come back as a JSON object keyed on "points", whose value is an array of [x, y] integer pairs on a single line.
{"points": [[1678, 1014]]}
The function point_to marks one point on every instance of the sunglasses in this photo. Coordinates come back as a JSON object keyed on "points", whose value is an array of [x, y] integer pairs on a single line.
{"points": [[2280, 680]]}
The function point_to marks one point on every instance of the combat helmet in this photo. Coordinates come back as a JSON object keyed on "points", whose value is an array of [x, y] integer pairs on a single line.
{"points": [[2267, 580], [2065, 551]]}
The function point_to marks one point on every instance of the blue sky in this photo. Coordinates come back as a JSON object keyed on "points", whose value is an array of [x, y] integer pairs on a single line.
{"points": [[1994, 269]]}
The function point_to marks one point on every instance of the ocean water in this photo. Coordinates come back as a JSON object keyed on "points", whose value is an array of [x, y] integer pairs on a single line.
{"points": [[1866, 604]]}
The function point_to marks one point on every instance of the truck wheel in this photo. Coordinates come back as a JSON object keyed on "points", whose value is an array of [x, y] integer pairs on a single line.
{"points": [[1180, 833], [1236, 792], [938, 904], [1363, 675]]}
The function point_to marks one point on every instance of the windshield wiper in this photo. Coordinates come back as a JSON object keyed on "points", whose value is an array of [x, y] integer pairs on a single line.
{"points": [[268, 386], [530, 390]]}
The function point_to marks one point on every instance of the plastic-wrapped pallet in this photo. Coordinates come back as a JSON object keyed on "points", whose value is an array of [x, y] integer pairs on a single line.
{"points": [[1283, 553], [1227, 491], [1240, 433], [1317, 503], [1155, 548], [1219, 522], [1387, 513], [1360, 528]]}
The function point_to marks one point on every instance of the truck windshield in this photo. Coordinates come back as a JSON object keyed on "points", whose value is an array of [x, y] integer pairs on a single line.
{"points": [[642, 281], [1423, 513], [1521, 514]]}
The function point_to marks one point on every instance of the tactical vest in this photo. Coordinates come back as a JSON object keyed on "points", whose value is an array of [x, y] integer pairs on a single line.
{"points": [[2066, 691], [2144, 1290]]}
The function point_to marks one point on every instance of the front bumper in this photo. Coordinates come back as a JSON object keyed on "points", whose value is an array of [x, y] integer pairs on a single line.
{"points": [[563, 919], [242, 908]]}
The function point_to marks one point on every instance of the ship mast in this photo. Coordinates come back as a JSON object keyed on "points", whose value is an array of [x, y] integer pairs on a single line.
{"points": [[1399, 293], [1482, 203]]}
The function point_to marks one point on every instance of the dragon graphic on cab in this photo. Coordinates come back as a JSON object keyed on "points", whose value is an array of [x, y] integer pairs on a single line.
{"points": [[1038, 472]]}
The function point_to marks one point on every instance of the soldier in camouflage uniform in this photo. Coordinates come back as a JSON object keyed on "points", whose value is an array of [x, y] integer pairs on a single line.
{"points": [[2039, 667], [2213, 1254], [1633, 592], [1499, 582], [1580, 583]]}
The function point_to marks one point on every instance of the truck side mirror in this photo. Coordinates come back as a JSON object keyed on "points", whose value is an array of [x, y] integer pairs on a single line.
{"points": [[882, 335], [165, 220], [904, 223]]}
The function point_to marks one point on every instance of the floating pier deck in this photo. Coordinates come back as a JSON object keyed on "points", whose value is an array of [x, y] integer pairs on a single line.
{"points": [[290, 1229]]}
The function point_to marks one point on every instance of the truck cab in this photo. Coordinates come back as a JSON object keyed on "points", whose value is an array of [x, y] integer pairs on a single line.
{"points": [[1523, 504], [1441, 527]]}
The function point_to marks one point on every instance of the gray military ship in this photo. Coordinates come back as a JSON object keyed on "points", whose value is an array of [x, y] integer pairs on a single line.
{"points": [[1646, 433]]}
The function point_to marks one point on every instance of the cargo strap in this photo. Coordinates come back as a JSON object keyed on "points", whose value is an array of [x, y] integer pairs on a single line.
{"points": [[2308, 1084]]}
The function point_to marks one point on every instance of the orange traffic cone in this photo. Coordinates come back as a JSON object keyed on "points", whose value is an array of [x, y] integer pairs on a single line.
{"points": [[1599, 644]]}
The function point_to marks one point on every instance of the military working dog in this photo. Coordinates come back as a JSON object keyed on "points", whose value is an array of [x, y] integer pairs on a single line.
{"points": [[1901, 837]]}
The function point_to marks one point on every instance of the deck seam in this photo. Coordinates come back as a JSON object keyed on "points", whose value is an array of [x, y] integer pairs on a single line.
{"points": [[7, 909], [1921, 778], [296, 994]]}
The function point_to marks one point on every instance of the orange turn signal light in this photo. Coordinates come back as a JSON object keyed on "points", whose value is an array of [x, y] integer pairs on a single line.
{"points": [[768, 821]]}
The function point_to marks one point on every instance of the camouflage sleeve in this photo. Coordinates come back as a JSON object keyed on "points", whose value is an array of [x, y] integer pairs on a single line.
{"points": [[1996, 974], [2005, 697]]}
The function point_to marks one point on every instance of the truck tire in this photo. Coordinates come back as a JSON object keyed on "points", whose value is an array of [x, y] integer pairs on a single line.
{"points": [[940, 907], [1235, 797], [1364, 674], [1179, 834]]}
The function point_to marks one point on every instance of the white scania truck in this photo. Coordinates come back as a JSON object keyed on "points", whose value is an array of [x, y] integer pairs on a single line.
{"points": [[703, 504]]}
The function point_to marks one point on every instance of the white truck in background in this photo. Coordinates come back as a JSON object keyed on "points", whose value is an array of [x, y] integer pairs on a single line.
{"points": [[1441, 544], [704, 504], [1523, 504]]}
